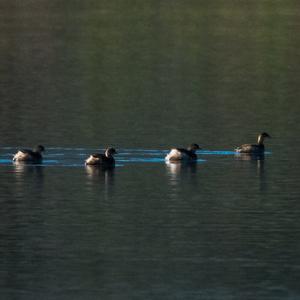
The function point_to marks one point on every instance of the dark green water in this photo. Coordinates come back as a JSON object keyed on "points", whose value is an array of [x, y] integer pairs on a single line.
{"points": [[145, 76]]}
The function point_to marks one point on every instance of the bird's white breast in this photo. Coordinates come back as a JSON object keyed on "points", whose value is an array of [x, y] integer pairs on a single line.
{"points": [[92, 160], [20, 156], [175, 154]]}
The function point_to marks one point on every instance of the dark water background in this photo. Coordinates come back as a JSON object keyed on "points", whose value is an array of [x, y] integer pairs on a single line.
{"points": [[144, 76]]}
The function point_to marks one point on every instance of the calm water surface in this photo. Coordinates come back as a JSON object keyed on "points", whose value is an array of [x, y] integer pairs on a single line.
{"points": [[144, 77]]}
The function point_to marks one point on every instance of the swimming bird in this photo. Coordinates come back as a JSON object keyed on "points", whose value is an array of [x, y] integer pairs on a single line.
{"points": [[181, 154], [25, 155], [105, 159], [258, 148]]}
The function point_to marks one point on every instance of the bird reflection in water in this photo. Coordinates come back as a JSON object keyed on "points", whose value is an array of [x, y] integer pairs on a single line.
{"points": [[257, 160], [181, 170], [28, 172], [104, 174], [24, 168]]}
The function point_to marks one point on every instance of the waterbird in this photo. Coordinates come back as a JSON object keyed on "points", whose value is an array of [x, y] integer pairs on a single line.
{"points": [[25, 155], [258, 148], [105, 159], [181, 154]]}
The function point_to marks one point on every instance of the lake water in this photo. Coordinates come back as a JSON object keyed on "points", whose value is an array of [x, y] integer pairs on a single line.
{"points": [[145, 76]]}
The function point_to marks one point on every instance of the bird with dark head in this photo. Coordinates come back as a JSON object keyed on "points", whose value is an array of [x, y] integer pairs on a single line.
{"points": [[26, 155], [181, 154], [258, 148], [102, 159]]}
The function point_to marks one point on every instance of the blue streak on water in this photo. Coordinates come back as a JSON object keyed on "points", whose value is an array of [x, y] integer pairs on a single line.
{"points": [[5, 161], [50, 162], [223, 152], [216, 152], [141, 150], [138, 160], [148, 160], [74, 157]]}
